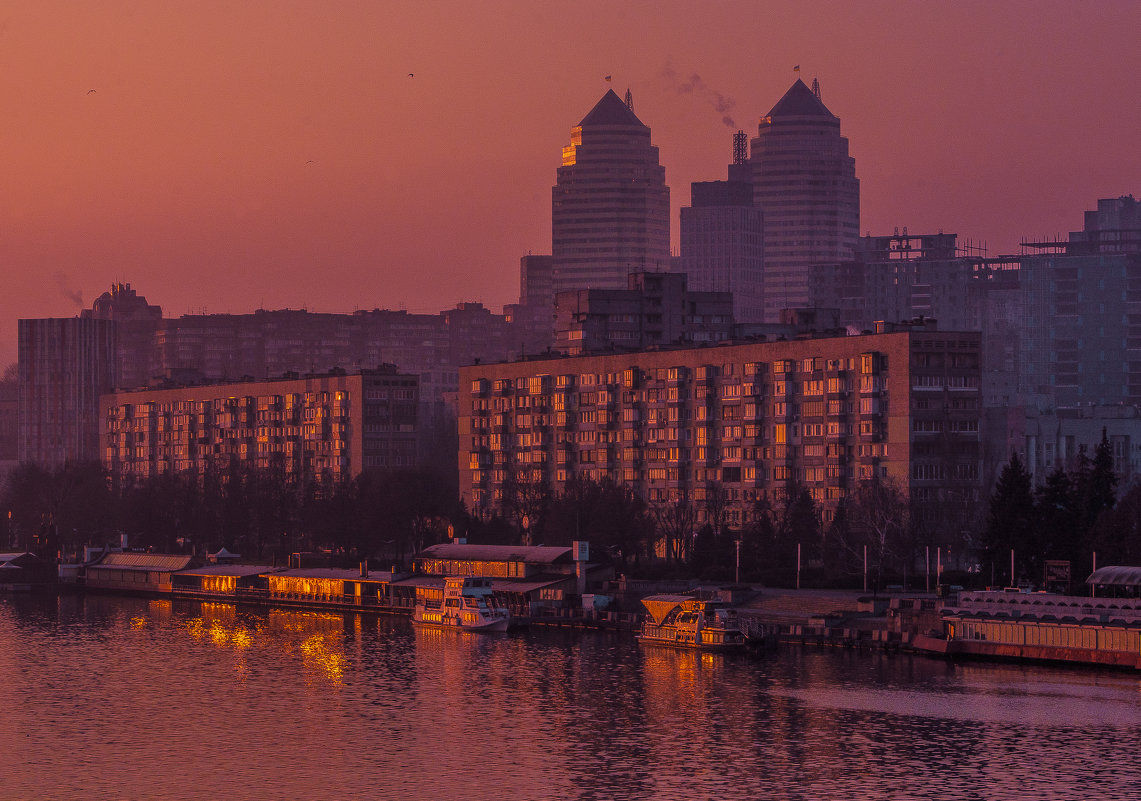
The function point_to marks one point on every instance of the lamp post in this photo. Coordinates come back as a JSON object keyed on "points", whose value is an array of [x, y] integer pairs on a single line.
{"points": [[737, 572]]}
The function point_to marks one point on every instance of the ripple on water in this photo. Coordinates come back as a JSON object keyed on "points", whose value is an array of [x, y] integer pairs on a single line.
{"points": [[122, 698]]}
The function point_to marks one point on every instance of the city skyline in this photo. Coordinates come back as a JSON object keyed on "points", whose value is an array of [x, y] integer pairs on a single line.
{"points": [[227, 159]]}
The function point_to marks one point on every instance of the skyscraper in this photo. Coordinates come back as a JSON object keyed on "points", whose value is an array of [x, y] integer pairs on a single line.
{"points": [[610, 204], [805, 183], [722, 238]]}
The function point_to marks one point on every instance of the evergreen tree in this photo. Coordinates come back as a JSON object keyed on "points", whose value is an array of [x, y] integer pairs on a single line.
{"points": [[1057, 512], [1010, 521]]}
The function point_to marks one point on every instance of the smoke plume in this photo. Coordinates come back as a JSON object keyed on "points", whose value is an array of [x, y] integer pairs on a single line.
{"points": [[694, 85], [74, 295]]}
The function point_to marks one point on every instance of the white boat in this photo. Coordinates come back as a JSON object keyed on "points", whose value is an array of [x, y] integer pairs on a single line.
{"points": [[467, 605], [682, 621]]}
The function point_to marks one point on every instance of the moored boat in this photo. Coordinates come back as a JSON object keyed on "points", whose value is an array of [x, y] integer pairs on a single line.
{"points": [[467, 604], [681, 621]]}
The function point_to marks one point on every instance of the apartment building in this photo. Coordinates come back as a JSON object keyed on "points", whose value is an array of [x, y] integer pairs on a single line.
{"points": [[336, 424], [757, 418]]}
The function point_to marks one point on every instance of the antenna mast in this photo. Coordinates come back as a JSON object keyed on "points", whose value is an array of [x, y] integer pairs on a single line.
{"points": [[740, 148], [816, 88], [629, 100]]}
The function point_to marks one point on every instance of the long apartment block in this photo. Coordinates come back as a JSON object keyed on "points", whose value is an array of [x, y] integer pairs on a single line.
{"points": [[756, 418], [336, 424]]}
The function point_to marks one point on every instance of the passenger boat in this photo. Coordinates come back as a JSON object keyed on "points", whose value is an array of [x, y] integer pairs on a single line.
{"points": [[682, 621], [467, 604]]}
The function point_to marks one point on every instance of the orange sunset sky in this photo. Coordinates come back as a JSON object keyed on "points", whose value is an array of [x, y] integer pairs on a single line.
{"points": [[226, 156]]}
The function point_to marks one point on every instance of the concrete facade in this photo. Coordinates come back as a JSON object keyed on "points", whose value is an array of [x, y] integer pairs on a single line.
{"points": [[610, 213], [722, 243], [758, 418], [334, 425], [65, 364], [805, 183], [656, 309]]}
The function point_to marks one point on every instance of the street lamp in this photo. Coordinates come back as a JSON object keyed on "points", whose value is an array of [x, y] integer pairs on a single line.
{"points": [[737, 572]]}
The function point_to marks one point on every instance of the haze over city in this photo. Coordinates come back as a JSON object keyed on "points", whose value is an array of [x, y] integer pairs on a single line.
{"points": [[227, 157]]}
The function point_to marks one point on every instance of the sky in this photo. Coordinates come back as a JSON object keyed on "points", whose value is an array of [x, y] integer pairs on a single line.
{"points": [[335, 155]]}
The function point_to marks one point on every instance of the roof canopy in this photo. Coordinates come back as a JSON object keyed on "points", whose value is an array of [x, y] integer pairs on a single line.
{"points": [[532, 554], [1117, 575], [661, 605]]}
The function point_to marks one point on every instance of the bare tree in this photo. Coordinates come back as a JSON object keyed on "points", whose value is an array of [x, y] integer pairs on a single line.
{"points": [[675, 521], [879, 515]]}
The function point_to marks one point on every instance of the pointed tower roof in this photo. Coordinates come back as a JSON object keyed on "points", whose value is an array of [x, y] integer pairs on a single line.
{"points": [[611, 110], [799, 101]]}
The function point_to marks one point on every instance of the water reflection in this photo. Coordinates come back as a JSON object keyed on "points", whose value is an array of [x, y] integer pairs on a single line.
{"points": [[215, 700]]}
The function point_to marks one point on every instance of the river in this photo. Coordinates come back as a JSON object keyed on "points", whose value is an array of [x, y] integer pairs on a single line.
{"points": [[125, 698]]}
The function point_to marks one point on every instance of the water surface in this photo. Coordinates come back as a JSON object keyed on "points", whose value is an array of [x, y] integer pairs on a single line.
{"points": [[105, 697]]}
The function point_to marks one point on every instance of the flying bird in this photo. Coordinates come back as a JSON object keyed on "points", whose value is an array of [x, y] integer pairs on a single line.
{"points": [[411, 75], [90, 91]]}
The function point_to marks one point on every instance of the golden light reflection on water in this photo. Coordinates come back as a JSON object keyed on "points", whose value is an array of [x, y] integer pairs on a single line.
{"points": [[316, 637], [325, 655]]}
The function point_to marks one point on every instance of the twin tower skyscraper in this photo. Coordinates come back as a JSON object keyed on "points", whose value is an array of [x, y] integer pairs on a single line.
{"points": [[610, 213]]}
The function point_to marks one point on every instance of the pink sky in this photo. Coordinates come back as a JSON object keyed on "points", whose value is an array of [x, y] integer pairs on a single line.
{"points": [[236, 155]]}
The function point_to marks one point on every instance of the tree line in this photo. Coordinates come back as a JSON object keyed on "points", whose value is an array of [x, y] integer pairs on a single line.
{"points": [[265, 514], [1074, 515], [261, 514]]}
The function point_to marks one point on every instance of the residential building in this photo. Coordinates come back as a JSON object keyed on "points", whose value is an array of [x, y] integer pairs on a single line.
{"points": [[755, 419], [722, 238], [65, 364], [805, 183], [536, 280], [656, 309], [135, 324], [610, 213], [1048, 440], [901, 277], [334, 424]]}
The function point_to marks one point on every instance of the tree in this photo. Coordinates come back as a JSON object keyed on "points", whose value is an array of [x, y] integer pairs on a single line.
{"points": [[1117, 535], [1097, 484], [608, 514], [675, 525], [1010, 520], [880, 519], [1057, 511]]}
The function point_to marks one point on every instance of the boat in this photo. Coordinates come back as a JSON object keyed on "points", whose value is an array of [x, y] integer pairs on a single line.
{"points": [[682, 621], [467, 604]]}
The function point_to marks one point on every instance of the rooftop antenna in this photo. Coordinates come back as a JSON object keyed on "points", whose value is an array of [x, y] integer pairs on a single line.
{"points": [[629, 100], [740, 147], [816, 88]]}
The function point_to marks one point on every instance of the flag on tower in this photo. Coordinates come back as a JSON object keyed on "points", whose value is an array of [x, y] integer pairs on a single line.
{"points": [[608, 77], [796, 68]]}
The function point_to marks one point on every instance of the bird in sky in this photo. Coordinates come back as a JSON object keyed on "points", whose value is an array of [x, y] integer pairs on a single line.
{"points": [[411, 75], [90, 91]]}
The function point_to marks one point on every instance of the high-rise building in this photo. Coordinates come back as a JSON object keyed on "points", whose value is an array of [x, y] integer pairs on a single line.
{"points": [[610, 212], [535, 274], [805, 184], [135, 324], [902, 277], [65, 365], [722, 238], [656, 310]]}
